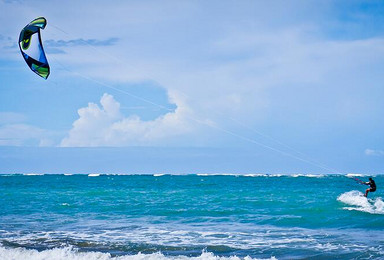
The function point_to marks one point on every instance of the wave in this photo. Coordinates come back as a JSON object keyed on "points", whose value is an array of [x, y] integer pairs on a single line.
{"points": [[355, 175], [295, 175], [264, 175], [218, 174], [284, 175], [183, 240], [357, 201], [69, 253], [259, 175], [307, 175]]}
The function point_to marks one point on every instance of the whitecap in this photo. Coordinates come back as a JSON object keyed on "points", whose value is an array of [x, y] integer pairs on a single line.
{"points": [[256, 175], [306, 175], [94, 175], [354, 175], [357, 201], [220, 174], [274, 175], [69, 253], [314, 175]]}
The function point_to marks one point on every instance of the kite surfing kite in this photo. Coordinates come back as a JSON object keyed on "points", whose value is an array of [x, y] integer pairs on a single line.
{"points": [[32, 48]]}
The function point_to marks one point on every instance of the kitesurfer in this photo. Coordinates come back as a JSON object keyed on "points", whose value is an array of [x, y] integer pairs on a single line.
{"points": [[372, 187]]}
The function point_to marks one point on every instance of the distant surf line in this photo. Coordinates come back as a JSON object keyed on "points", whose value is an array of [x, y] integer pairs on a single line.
{"points": [[253, 175]]}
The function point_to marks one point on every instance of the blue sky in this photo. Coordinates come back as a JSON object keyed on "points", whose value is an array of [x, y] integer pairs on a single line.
{"points": [[281, 86]]}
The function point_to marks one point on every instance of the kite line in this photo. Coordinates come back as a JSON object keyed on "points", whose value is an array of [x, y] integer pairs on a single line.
{"points": [[192, 118]]}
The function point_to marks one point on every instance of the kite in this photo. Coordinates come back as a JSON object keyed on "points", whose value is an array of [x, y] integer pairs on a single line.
{"points": [[32, 48]]}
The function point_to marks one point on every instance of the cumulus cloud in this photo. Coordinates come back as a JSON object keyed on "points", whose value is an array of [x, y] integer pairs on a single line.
{"points": [[372, 152], [105, 125], [238, 71], [258, 62]]}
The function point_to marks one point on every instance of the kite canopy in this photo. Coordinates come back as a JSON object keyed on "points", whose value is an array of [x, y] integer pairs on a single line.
{"points": [[32, 48]]}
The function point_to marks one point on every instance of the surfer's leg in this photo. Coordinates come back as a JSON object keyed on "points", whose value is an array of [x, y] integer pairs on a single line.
{"points": [[366, 193]]}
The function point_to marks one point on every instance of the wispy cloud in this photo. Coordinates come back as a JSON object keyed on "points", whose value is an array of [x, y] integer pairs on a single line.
{"points": [[81, 42], [24, 134], [11, 118], [12, 1], [276, 66], [58, 46], [7, 42], [15, 131], [372, 152]]}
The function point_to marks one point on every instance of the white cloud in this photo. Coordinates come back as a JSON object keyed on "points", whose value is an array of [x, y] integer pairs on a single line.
{"points": [[233, 73], [14, 131], [23, 134], [237, 61], [11, 117], [240, 75], [106, 126], [372, 152]]}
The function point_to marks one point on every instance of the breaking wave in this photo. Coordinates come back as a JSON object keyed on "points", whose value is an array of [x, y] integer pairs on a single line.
{"points": [[69, 253], [356, 201]]}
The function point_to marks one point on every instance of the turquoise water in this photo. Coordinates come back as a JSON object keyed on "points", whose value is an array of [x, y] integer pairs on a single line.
{"points": [[189, 216]]}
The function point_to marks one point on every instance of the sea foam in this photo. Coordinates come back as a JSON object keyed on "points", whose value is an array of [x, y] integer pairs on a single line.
{"points": [[94, 175], [358, 202], [69, 253]]}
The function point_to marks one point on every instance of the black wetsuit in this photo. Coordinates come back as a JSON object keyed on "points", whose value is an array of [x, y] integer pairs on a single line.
{"points": [[372, 184]]}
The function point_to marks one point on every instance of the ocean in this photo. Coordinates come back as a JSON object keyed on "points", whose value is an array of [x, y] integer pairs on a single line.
{"points": [[201, 217]]}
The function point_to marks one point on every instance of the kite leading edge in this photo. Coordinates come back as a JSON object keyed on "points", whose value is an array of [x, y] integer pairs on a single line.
{"points": [[32, 48]]}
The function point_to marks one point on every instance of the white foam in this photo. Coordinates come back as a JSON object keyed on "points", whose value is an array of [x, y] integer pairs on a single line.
{"points": [[94, 175], [219, 174], [314, 175], [307, 175], [355, 175], [68, 253], [358, 202], [257, 175], [181, 236], [33, 174], [158, 174]]}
